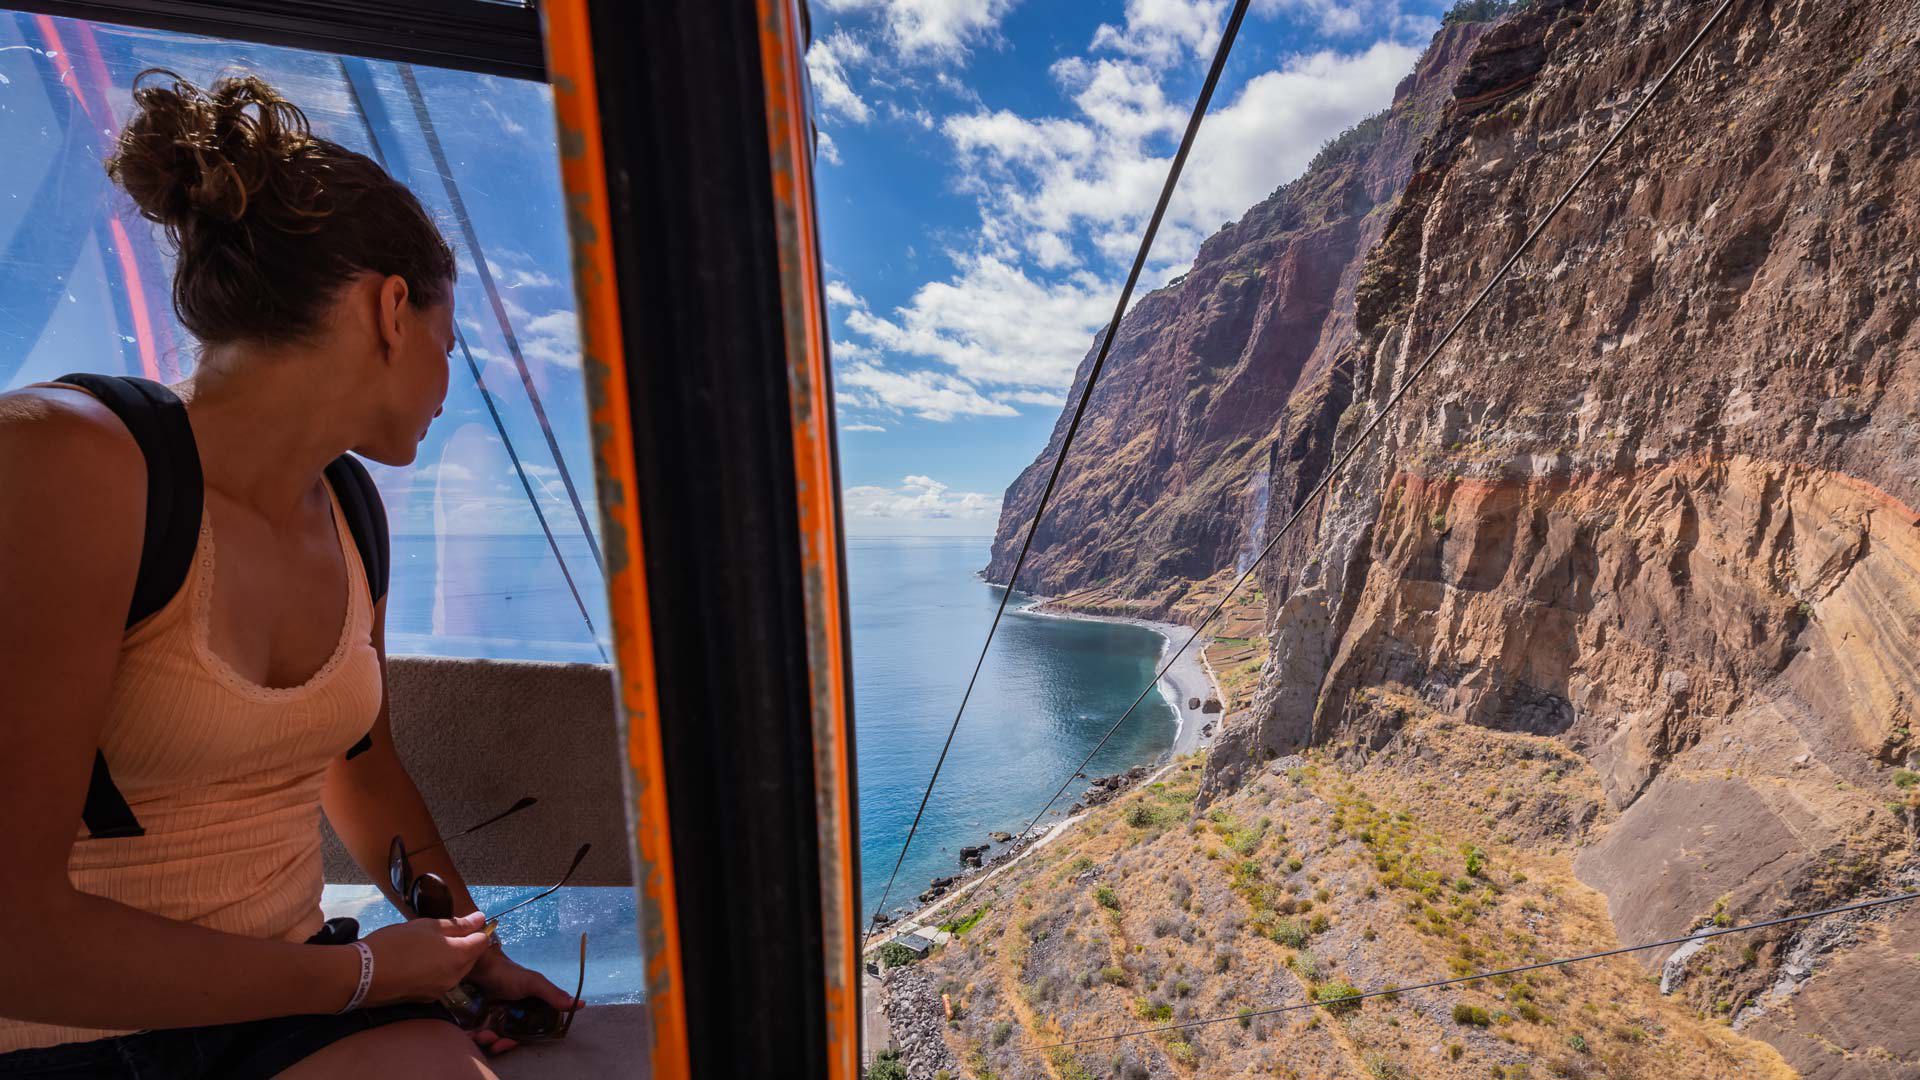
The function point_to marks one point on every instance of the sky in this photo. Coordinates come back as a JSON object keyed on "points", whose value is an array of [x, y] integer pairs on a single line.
{"points": [[985, 171]]}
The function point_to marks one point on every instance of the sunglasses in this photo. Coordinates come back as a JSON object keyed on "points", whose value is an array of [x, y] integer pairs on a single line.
{"points": [[427, 896], [528, 1019]]}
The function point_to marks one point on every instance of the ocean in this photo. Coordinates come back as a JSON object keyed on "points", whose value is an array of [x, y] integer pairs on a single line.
{"points": [[1049, 689]]}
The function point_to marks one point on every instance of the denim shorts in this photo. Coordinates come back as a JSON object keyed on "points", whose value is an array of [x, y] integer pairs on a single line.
{"points": [[250, 1050]]}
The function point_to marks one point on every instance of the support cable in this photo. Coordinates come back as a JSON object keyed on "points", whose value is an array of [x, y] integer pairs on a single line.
{"points": [[1066, 444], [368, 106], [1352, 998], [493, 297], [1407, 384]]}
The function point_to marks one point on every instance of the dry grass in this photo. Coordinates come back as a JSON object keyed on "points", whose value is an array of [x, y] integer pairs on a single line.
{"points": [[1305, 882]]}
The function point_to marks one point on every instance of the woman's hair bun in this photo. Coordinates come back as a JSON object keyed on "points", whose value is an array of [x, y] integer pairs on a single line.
{"points": [[190, 155], [267, 219]]}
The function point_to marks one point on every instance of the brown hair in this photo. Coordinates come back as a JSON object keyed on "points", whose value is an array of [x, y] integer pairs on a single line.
{"points": [[269, 220]]}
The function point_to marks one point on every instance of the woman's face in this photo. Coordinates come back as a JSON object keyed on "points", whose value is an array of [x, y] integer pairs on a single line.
{"points": [[417, 380]]}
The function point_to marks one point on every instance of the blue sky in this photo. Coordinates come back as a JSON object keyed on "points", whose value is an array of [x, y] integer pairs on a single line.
{"points": [[985, 172]]}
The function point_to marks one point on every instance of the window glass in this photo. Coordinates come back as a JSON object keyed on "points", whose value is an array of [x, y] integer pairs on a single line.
{"points": [[493, 549], [494, 553]]}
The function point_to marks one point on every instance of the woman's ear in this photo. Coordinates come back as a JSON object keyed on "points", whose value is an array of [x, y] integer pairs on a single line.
{"points": [[392, 312]]}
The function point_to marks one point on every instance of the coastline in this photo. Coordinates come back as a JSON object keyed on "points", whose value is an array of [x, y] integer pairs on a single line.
{"points": [[1187, 679]]}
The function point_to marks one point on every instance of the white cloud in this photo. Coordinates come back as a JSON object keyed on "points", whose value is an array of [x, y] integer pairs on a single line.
{"points": [[839, 292], [1335, 18], [932, 30], [861, 427], [1163, 31], [826, 66], [929, 395], [1035, 397], [995, 324], [1097, 175], [553, 338], [829, 152], [919, 498]]}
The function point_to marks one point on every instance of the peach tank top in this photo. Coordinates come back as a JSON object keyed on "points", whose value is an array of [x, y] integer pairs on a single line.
{"points": [[224, 774]]}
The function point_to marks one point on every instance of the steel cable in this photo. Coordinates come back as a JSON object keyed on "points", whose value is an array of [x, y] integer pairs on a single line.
{"points": [[1086, 393]]}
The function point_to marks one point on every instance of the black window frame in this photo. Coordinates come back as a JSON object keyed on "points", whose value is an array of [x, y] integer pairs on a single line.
{"points": [[483, 36]]}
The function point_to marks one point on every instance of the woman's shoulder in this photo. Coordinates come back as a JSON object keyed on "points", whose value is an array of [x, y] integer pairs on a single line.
{"points": [[48, 430]]}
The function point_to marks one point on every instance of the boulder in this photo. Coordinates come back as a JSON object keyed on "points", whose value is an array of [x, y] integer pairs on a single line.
{"points": [[1212, 706]]}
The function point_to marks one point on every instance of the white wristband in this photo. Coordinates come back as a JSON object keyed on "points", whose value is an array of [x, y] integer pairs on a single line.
{"points": [[366, 977]]}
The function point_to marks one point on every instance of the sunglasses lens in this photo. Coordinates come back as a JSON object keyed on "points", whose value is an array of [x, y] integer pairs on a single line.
{"points": [[430, 897], [529, 1019], [399, 872]]}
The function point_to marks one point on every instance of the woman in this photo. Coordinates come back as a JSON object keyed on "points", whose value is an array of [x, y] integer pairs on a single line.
{"points": [[254, 693]]}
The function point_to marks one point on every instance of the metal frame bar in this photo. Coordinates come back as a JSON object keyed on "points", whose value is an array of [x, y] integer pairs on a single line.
{"points": [[584, 177], [467, 35], [790, 135], [714, 428]]}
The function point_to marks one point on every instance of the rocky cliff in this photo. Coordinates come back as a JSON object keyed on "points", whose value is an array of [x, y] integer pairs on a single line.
{"points": [[1195, 417], [1651, 519], [1657, 503]]}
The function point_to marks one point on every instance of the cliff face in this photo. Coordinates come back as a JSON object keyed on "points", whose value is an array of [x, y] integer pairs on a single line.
{"points": [[1169, 477], [1656, 503]]}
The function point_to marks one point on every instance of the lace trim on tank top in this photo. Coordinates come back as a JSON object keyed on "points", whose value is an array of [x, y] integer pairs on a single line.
{"points": [[203, 575]]}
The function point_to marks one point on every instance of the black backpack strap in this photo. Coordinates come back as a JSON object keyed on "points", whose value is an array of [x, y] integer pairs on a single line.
{"points": [[158, 423], [367, 520]]}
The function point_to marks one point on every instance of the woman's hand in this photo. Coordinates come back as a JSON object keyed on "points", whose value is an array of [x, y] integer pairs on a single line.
{"points": [[504, 980], [422, 959]]}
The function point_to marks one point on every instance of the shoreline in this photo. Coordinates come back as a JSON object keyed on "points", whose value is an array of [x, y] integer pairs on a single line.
{"points": [[1188, 678]]}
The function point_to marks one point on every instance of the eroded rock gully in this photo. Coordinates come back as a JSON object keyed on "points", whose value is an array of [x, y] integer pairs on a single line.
{"points": [[1656, 503]]}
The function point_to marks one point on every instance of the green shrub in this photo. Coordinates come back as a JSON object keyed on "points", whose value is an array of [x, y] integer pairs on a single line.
{"points": [[1107, 898], [1246, 1017], [1114, 976], [1002, 1031], [962, 925], [886, 1066], [1153, 1009], [1290, 932], [1578, 1044], [1332, 993], [1905, 778], [893, 954], [1471, 1014]]}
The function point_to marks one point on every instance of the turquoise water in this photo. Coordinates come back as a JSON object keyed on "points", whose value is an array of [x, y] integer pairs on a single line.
{"points": [[1049, 689]]}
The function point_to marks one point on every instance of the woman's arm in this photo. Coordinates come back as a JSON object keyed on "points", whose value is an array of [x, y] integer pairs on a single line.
{"points": [[72, 515], [72, 498], [371, 799]]}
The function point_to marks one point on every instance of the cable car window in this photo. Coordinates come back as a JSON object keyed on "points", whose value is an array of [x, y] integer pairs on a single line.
{"points": [[493, 549], [494, 553]]}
